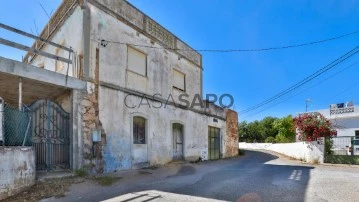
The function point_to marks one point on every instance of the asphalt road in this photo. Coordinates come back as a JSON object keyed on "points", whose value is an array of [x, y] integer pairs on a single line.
{"points": [[257, 176]]}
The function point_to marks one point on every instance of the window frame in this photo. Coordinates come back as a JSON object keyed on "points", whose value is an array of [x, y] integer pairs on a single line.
{"points": [[146, 65], [135, 134], [184, 80]]}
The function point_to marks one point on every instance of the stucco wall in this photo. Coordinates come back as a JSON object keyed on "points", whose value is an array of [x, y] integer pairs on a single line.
{"points": [[69, 35], [116, 118], [17, 170], [160, 62], [309, 152]]}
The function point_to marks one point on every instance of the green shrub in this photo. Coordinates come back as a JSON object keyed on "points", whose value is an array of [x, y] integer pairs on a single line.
{"points": [[270, 140], [328, 146], [81, 172]]}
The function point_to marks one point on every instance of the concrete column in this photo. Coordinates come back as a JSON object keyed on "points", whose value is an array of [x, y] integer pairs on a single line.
{"points": [[87, 40], [76, 132]]}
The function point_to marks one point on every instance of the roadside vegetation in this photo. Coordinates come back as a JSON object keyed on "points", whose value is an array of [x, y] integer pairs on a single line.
{"points": [[269, 130]]}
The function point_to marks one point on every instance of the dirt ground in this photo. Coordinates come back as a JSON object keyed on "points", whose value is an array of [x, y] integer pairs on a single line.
{"points": [[56, 187]]}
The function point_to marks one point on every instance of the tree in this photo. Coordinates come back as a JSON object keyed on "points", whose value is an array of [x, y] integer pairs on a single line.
{"points": [[257, 131], [242, 131], [286, 129], [313, 126], [268, 127]]}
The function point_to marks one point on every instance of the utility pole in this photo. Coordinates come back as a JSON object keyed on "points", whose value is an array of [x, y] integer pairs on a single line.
{"points": [[306, 104]]}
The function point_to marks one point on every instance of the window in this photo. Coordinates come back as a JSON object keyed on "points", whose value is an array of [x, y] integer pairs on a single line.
{"points": [[137, 61], [139, 130], [357, 133], [179, 80]]}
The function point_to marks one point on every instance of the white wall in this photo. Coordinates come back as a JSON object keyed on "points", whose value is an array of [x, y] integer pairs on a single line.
{"points": [[17, 170], [160, 62], [309, 152], [116, 119], [70, 35], [346, 126], [120, 152]]}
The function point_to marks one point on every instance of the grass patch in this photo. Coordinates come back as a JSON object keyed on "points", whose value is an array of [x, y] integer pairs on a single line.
{"points": [[53, 187], [81, 172], [342, 159], [106, 180]]}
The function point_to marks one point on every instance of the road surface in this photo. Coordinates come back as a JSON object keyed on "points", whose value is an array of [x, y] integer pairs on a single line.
{"points": [[257, 176]]}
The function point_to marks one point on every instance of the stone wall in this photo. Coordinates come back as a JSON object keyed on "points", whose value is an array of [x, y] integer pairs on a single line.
{"points": [[231, 139], [92, 151], [17, 170]]}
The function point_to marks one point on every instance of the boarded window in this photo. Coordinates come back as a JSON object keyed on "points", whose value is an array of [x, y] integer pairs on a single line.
{"points": [[179, 80], [139, 130], [137, 61]]}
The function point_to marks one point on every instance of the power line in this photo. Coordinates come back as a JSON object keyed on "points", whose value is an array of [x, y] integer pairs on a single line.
{"points": [[333, 75], [305, 80], [236, 50]]}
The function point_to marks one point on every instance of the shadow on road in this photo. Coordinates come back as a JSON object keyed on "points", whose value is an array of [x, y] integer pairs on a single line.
{"points": [[252, 179]]}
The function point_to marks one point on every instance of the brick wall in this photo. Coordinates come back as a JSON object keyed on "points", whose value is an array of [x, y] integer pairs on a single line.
{"points": [[231, 140]]}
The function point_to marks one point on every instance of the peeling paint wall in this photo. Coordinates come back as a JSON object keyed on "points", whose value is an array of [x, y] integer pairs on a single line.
{"points": [[119, 152], [103, 108], [69, 35], [17, 170], [231, 139]]}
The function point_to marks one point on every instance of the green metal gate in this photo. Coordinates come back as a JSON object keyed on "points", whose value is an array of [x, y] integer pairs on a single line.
{"points": [[50, 135], [214, 143]]}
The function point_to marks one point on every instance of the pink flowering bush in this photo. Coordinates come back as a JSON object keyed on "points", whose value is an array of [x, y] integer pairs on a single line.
{"points": [[313, 126]]}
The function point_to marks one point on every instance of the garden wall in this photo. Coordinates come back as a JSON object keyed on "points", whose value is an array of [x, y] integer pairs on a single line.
{"points": [[309, 152], [17, 170]]}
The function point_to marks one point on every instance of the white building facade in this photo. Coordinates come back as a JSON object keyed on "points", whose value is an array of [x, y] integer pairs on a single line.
{"points": [[344, 118]]}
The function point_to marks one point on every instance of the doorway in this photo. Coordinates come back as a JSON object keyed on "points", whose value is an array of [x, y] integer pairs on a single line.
{"points": [[214, 143], [177, 141]]}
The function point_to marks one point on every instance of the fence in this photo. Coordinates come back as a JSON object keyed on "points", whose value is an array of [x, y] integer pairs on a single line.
{"points": [[344, 150], [16, 126]]}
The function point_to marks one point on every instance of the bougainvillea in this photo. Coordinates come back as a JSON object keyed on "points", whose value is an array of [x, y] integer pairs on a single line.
{"points": [[313, 126]]}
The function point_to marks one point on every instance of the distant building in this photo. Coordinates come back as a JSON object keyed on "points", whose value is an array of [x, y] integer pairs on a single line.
{"points": [[343, 116]]}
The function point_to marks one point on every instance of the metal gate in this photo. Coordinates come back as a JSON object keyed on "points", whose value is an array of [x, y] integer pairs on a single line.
{"points": [[50, 135], [214, 143]]}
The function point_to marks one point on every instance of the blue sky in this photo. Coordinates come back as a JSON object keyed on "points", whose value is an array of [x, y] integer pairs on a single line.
{"points": [[250, 77]]}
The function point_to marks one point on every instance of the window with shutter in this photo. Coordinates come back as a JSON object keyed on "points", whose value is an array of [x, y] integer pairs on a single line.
{"points": [[179, 80], [137, 61]]}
